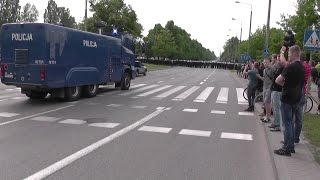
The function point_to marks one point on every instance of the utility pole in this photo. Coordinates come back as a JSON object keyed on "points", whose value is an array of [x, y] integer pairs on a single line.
{"points": [[268, 27], [85, 16]]}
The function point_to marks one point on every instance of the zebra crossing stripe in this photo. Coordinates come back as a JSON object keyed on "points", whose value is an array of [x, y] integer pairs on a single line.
{"points": [[223, 96], [137, 86], [186, 94], [138, 90], [172, 91], [6, 114], [204, 95], [154, 91], [241, 99]]}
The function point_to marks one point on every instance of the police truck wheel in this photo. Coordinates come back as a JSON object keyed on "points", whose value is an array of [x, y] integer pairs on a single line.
{"points": [[125, 83], [90, 90], [72, 93], [36, 95]]}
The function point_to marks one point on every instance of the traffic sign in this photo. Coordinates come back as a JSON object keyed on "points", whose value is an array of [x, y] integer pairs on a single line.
{"points": [[311, 40], [266, 52], [245, 57]]}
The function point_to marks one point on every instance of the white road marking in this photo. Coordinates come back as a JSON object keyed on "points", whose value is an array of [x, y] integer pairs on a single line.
{"points": [[138, 90], [186, 94], [201, 83], [159, 82], [4, 97], [190, 110], [172, 78], [168, 93], [104, 125], [73, 121], [155, 129], [136, 86], [20, 119], [4, 100], [241, 99], [204, 95], [45, 119], [73, 157], [138, 107], [223, 96], [195, 133], [154, 91], [246, 114], [114, 105], [205, 80], [9, 89], [6, 114], [247, 137], [18, 98], [218, 112]]}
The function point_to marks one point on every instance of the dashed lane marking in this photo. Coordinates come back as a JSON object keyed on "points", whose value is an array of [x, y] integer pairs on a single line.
{"points": [[191, 132], [218, 112], [138, 107], [6, 114], [155, 129], [73, 121], [247, 137], [104, 125], [114, 105], [246, 114], [45, 119], [190, 110], [38, 114]]}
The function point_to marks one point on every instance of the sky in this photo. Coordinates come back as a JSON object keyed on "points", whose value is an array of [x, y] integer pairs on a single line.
{"points": [[208, 21]]}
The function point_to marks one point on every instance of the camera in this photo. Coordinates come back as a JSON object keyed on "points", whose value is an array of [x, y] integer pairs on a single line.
{"points": [[288, 39]]}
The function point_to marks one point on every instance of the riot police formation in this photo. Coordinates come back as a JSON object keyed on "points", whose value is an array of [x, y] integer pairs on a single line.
{"points": [[195, 64]]}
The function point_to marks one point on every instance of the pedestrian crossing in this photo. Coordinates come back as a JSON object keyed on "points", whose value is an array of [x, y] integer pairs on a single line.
{"points": [[182, 93]]}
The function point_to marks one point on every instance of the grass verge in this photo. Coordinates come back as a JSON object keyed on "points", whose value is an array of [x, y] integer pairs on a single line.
{"points": [[311, 128], [154, 67]]}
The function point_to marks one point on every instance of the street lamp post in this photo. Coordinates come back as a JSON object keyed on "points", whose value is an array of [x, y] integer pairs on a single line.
{"points": [[250, 23], [238, 48]]}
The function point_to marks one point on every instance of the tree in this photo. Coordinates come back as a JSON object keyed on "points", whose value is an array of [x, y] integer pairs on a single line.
{"points": [[65, 17], [51, 14], [10, 11], [29, 13], [58, 15], [116, 13]]}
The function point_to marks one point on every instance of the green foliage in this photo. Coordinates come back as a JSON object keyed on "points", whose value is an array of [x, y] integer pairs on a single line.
{"points": [[10, 11], [29, 13], [174, 42], [51, 14], [58, 15], [116, 13]]}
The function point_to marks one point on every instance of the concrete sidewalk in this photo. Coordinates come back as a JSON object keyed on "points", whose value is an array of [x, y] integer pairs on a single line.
{"points": [[301, 165]]}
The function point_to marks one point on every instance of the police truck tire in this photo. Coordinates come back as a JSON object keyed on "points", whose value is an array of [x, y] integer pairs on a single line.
{"points": [[90, 90], [145, 73], [125, 82], [72, 93], [36, 95]]}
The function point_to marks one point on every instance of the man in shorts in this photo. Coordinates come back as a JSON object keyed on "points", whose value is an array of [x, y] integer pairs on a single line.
{"points": [[267, 82]]}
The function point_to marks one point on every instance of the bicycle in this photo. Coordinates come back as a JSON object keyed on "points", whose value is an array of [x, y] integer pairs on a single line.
{"points": [[310, 100]]}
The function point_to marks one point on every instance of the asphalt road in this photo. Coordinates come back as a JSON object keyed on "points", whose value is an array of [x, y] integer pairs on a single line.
{"points": [[179, 123]]}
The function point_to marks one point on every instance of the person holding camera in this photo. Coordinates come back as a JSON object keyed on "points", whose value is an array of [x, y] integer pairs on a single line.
{"points": [[292, 82]]}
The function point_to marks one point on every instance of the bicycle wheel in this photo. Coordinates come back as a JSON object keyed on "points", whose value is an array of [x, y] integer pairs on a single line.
{"points": [[258, 99], [308, 104], [244, 94]]}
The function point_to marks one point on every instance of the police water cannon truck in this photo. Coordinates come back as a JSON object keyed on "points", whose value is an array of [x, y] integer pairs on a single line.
{"points": [[66, 63]]}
